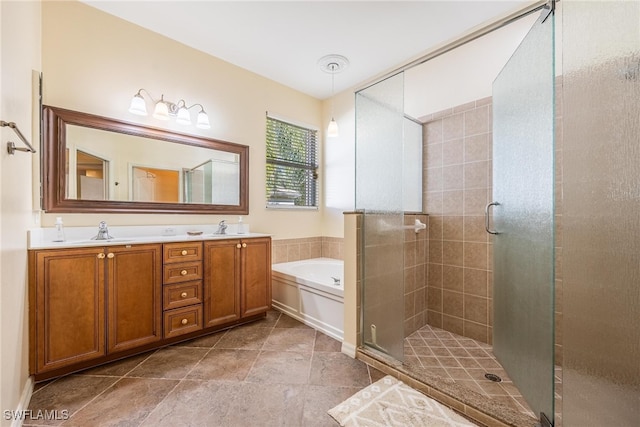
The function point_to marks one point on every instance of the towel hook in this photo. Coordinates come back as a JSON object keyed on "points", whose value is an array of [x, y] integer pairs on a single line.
{"points": [[11, 147]]}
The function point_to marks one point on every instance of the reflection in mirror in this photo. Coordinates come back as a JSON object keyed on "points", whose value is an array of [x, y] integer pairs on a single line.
{"points": [[213, 182], [147, 170], [100, 164], [155, 185]]}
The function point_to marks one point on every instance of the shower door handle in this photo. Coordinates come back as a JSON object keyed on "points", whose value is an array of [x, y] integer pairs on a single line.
{"points": [[486, 217]]}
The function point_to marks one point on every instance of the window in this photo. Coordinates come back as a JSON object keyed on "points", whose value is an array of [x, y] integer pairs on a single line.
{"points": [[291, 165]]}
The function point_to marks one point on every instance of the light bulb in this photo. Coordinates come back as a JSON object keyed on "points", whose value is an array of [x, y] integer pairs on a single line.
{"points": [[203, 120], [161, 111], [138, 106], [183, 118], [332, 130]]}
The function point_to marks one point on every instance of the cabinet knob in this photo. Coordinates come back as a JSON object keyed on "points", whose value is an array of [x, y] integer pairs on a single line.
{"points": [[238, 246], [244, 245], [111, 255], [183, 272], [184, 321], [183, 295], [184, 252], [101, 256]]}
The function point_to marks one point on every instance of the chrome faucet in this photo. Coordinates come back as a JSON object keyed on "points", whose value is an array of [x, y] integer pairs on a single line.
{"points": [[222, 228], [103, 232]]}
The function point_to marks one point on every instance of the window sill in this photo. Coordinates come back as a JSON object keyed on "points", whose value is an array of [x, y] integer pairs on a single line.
{"points": [[292, 208]]}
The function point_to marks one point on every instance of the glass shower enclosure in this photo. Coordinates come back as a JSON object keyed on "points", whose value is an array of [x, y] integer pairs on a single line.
{"points": [[379, 195], [523, 182]]}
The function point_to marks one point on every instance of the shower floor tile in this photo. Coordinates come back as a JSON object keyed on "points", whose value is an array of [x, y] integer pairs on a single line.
{"points": [[464, 361]]}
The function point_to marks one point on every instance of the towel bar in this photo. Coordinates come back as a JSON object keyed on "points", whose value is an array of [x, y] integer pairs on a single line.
{"points": [[11, 147]]}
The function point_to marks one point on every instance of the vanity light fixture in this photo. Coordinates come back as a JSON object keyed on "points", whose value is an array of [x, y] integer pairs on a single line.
{"points": [[333, 64], [164, 110]]}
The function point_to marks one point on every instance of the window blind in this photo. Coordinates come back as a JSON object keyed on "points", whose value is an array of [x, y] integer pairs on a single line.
{"points": [[291, 165]]}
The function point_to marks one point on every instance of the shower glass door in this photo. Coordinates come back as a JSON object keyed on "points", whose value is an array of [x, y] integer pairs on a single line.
{"points": [[379, 194], [523, 185]]}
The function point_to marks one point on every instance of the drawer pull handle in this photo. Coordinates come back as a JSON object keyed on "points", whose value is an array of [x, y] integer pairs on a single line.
{"points": [[110, 256], [184, 252], [238, 246], [101, 256], [244, 245], [183, 272], [184, 321], [183, 295]]}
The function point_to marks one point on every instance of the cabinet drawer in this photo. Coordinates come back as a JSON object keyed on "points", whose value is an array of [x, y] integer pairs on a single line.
{"points": [[182, 321], [182, 252], [182, 272], [182, 294]]}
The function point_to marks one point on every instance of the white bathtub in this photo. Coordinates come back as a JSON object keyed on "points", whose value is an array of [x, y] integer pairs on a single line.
{"points": [[306, 290]]}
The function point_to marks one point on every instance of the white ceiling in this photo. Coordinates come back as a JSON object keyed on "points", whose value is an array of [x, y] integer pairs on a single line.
{"points": [[283, 40]]}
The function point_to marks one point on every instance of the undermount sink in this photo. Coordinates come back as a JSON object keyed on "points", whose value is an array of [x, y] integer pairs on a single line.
{"points": [[88, 241]]}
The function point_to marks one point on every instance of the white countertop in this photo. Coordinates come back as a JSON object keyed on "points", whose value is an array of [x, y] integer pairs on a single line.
{"points": [[78, 237]]}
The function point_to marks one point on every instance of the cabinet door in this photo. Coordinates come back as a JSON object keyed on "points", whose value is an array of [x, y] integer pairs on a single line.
{"points": [[221, 282], [134, 275], [256, 276], [68, 291]]}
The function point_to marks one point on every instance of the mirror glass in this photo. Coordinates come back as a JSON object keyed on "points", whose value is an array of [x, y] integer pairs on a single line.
{"points": [[95, 162]]}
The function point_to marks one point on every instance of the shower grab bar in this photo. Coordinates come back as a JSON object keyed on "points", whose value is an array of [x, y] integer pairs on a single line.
{"points": [[11, 147], [486, 217]]}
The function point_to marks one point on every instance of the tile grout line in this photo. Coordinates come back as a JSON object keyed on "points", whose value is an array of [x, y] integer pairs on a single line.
{"points": [[488, 354], [261, 349], [175, 386], [120, 377], [181, 380]]}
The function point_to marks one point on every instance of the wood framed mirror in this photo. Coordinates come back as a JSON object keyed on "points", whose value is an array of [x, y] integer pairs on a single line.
{"points": [[94, 164]]}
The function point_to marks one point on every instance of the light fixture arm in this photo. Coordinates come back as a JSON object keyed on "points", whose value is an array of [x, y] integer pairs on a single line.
{"points": [[184, 105]]}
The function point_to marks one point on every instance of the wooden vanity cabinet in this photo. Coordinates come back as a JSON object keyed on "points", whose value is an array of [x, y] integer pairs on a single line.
{"points": [[92, 305], [255, 290], [237, 280], [134, 296], [90, 302], [67, 303], [221, 282], [182, 288]]}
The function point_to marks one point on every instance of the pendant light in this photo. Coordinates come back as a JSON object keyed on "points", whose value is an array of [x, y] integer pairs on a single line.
{"points": [[333, 64]]}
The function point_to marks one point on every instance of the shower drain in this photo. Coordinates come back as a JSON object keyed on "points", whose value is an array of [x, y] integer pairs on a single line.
{"points": [[493, 377]]}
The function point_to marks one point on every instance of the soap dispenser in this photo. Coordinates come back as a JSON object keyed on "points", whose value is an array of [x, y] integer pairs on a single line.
{"points": [[59, 230], [241, 229]]}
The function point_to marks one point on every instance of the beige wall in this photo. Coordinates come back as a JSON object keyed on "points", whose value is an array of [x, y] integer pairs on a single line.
{"points": [[94, 62], [338, 175], [20, 38]]}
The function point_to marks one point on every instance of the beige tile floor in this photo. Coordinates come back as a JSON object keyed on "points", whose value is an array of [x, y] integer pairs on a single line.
{"points": [[274, 372], [464, 360]]}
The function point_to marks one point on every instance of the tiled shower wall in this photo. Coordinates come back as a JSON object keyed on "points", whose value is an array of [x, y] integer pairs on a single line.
{"points": [[416, 247], [457, 184], [287, 250]]}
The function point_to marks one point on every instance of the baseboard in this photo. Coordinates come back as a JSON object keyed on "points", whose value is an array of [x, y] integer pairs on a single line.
{"points": [[23, 404], [349, 349]]}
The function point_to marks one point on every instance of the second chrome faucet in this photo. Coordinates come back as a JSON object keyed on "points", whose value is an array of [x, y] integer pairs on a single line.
{"points": [[103, 232], [222, 228]]}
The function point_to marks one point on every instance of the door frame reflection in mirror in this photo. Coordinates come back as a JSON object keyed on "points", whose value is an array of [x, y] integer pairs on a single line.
{"points": [[55, 122]]}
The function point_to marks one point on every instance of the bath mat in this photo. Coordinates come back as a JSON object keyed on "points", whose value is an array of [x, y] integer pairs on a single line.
{"points": [[391, 403]]}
